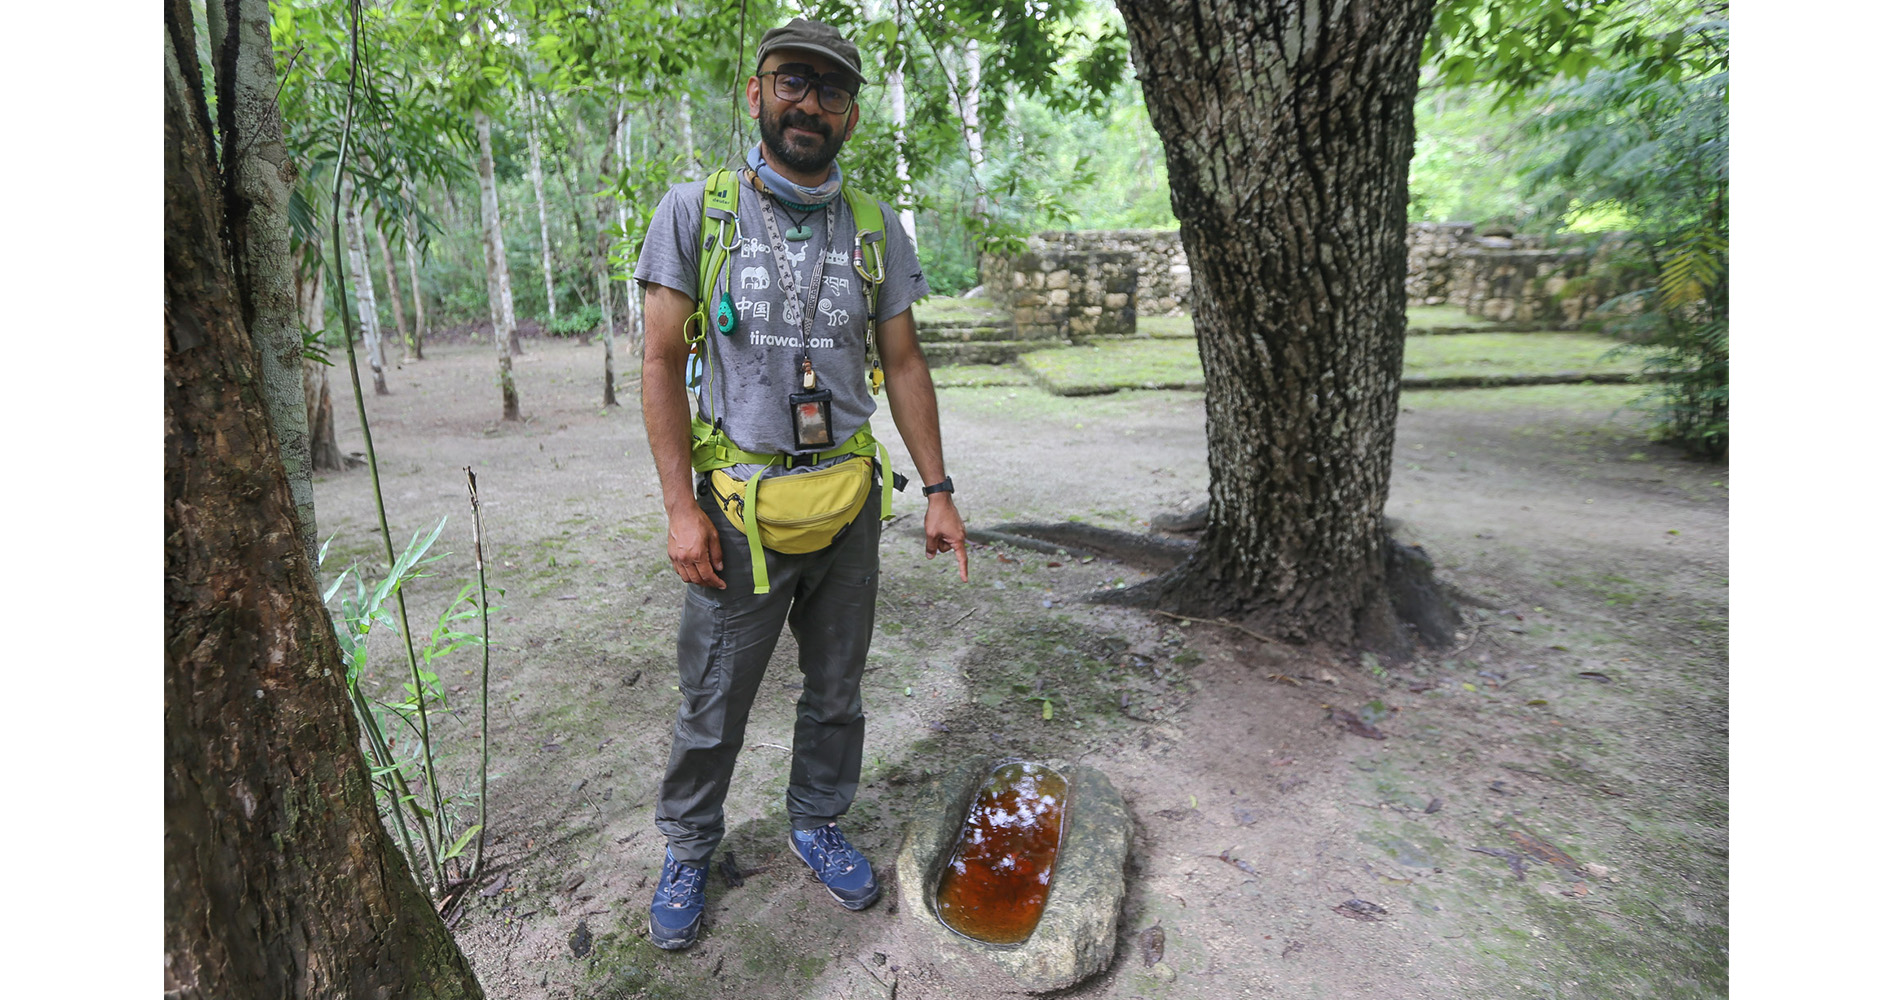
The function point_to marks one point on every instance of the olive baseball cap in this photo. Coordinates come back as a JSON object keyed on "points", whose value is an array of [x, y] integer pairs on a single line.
{"points": [[816, 37]]}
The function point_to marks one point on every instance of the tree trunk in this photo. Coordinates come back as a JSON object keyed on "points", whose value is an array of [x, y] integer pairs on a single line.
{"points": [[1288, 131], [360, 281], [395, 291], [686, 133], [257, 177], [501, 301], [894, 82], [540, 202], [894, 86], [279, 878], [636, 330], [964, 94], [409, 242], [319, 415], [603, 278]]}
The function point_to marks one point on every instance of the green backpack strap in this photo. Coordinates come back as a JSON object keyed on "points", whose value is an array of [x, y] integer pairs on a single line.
{"points": [[718, 236], [867, 257]]}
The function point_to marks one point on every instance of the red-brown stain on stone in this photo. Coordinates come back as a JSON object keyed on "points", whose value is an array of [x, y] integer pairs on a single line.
{"points": [[997, 881]]}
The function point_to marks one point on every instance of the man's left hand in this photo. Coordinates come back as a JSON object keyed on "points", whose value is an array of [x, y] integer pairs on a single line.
{"points": [[943, 531]]}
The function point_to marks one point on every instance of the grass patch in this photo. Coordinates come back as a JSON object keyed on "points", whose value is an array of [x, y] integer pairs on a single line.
{"points": [[1175, 363], [1581, 400], [1165, 326], [1443, 317], [1104, 368], [977, 376], [1032, 404], [949, 309], [1502, 354]]}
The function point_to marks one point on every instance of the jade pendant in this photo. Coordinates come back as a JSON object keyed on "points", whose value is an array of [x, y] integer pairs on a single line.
{"points": [[797, 233], [727, 318]]}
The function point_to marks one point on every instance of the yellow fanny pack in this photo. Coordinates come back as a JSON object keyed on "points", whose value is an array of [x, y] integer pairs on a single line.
{"points": [[801, 512]]}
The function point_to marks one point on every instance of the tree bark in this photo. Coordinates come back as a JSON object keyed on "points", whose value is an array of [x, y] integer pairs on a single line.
{"points": [[964, 95], [501, 300], [279, 878], [1288, 130], [636, 329], [894, 83], [540, 202], [894, 86], [258, 175], [320, 416], [409, 241], [603, 278], [360, 281], [395, 291]]}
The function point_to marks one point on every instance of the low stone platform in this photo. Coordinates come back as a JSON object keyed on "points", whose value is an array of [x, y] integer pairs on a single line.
{"points": [[1076, 938]]}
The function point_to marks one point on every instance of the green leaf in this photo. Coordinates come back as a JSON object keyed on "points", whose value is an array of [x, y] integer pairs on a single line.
{"points": [[455, 850]]}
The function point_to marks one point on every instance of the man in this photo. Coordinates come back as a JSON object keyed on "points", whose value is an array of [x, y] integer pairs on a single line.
{"points": [[780, 363]]}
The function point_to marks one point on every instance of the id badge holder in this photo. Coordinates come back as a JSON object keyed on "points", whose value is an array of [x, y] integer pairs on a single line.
{"points": [[811, 419]]}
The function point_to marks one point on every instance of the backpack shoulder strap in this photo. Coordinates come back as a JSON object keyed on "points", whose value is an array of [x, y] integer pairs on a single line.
{"points": [[719, 217], [868, 248]]}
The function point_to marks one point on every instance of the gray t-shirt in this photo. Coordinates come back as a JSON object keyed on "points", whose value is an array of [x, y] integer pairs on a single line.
{"points": [[755, 368]]}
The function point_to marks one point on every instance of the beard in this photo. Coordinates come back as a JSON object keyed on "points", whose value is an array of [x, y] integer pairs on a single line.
{"points": [[802, 153]]}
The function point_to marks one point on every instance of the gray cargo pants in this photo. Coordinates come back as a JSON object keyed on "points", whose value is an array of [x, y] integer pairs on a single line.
{"points": [[726, 638]]}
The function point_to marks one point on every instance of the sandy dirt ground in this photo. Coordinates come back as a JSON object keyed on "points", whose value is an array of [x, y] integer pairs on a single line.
{"points": [[1541, 811]]}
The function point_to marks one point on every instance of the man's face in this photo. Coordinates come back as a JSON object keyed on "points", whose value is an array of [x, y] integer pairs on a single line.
{"points": [[801, 133]]}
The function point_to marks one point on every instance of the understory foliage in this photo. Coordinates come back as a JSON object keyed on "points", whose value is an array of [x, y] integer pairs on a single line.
{"points": [[1601, 116], [1655, 151], [428, 818]]}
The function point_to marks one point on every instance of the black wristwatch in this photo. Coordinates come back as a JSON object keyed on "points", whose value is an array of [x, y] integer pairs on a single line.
{"points": [[943, 487]]}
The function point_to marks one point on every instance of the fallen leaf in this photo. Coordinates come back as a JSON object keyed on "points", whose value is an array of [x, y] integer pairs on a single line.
{"points": [[1541, 849], [1236, 862], [581, 941], [1434, 805], [1154, 942], [495, 887], [1593, 675], [1512, 858], [1353, 724], [573, 882], [1359, 909]]}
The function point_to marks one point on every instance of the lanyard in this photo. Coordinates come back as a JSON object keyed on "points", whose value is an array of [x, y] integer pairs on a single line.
{"points": [[788, 284]]}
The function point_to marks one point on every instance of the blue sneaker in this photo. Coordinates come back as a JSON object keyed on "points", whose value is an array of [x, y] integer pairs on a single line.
{"points": [[845, 872], [678, 903]]}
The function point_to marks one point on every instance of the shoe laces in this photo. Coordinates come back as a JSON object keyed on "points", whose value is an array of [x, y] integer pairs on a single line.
{"points": [[684, 888], [831, 854]]}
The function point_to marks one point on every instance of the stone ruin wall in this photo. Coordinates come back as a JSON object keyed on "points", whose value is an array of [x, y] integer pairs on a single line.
{"points": [[1093, 283]]}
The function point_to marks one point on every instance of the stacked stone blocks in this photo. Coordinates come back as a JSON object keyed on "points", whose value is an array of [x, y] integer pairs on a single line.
{"points": [[1094, 283]]}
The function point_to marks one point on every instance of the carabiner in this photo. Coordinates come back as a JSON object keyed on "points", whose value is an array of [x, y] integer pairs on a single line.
{"points": [[737, 236], [858, 255]]}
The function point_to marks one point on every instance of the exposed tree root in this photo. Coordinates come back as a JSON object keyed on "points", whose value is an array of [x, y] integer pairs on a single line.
{"points": [[1414, 609], [1153, 553]]}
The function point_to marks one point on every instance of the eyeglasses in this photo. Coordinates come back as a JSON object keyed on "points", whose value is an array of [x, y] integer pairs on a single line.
{"points": [[792, 84]]}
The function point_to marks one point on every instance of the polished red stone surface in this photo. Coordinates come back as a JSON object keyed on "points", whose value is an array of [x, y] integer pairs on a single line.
{"points": [[996, 883]]}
